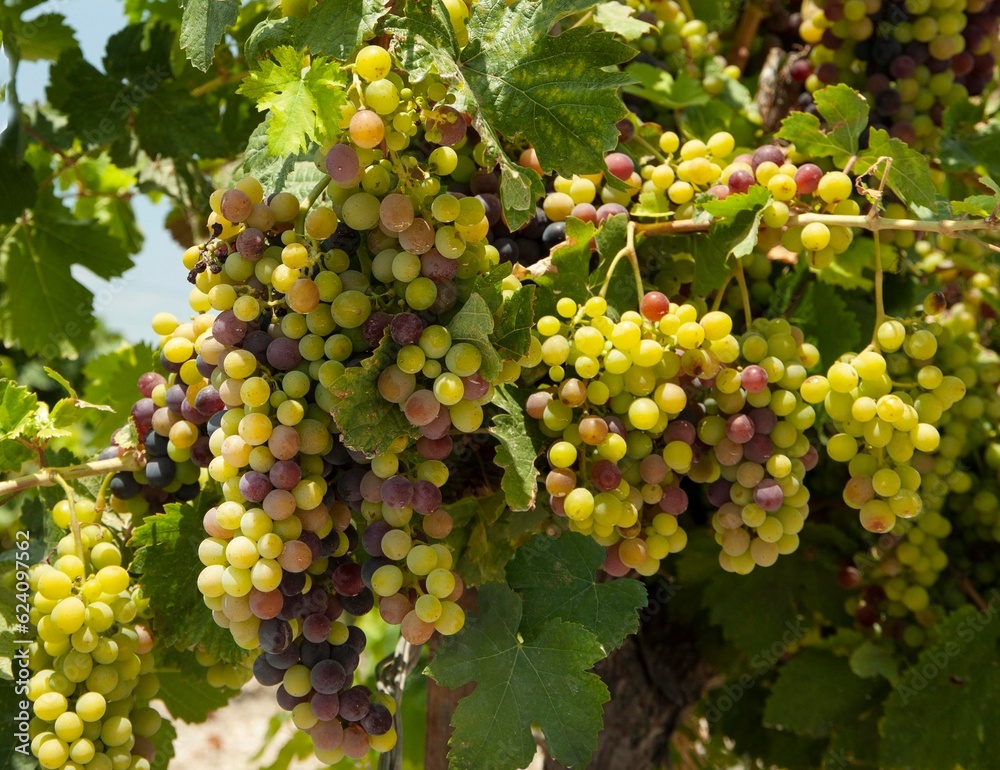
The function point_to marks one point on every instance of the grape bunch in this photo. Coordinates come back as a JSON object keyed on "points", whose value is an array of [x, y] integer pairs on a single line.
{"points": [[882, 420], [916, 57], [756, 428], [171, 421], [92, 662]]}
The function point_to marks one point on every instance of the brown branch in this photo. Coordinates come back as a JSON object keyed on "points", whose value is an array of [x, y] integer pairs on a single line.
{"points": [[49, 477], [746, 31]]}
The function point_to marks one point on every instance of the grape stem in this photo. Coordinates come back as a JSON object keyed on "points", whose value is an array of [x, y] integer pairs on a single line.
{"points": [[74, 522], [720, 293], [970, 590], [746, 31], [742, 281], [873, 215], [627, 252], [49, 477]]}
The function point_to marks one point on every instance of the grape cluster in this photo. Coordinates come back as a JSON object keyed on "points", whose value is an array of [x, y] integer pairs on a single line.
{"points": [[882, 420], [92, 662], [916, 57]]}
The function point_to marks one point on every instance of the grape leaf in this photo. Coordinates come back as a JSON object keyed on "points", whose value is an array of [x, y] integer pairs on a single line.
{"points": [[20, 188], [569, 266], [823, 316], [166, 558], [474, 324], [816, 691], [848, 267], [619, 19], [18, 406], [557, 92], [771, 609], [660, 87], [976, 205], [486, 535], [538, 679], [92, 102], [111, 379], [171, 123], [512, 335], [367, 422], [202, 27], [520, 445], [846, 114], [968, 141], [43, 38], [269, 34], [737, 220], [488, 286], [295, 173], [556, 578], [337, 29], [184, 689], [909, 174], [954, 686], [50, 313], [304, 104]]}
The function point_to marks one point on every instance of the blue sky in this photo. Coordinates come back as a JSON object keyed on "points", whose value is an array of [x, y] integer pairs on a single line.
{"points": [[157, 283]]}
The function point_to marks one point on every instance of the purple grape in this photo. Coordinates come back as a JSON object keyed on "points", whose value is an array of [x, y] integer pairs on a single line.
{"points": [[292, 583], [718, 492], [191, 414], [315, 628], [768, 495], [356, 638], [250, 244], [275, 635], [325, 707], [314, 653], [228, 329], [378, 720], [256, 342], [739, 428], [758, 449], [768, 152], [347, 579], [438, 427], [285, 474], [160, 471], [397, 492], [426, 497], [142, 414], [355, 703], [438, 268], [674, 501], [283, 660], [265, 673], [358, 605], [484, 181], [148, 382], [201, 452], [347, 657], [342, 163], [605, 475], [434, 449], [680, 430], [373, 329], [740, 181], [254, 486], [753, 379], [285, 701], [763, 420], [371, 539], [283, 354], [406, 328], [476, 386]]}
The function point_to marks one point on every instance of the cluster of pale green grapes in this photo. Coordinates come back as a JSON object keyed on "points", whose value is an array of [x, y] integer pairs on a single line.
{"points": [[92, 662], [756, 425], [885, 408], [685, 45]]}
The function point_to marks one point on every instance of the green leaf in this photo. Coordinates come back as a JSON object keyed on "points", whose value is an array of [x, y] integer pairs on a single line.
{"points": [[909, 174], [541, 679], [91, 101], [569, 267], [512, 335], [17, 408], [969, 141], [520, 446], [20, 188], [846, 114], [43, 38], [304, 104], [51, 312], [171, 123], [557, 578], [815, 692], [296, 173], [711, 259], [271, 33], [976, 205], [618, 18], [491, 534], [183, 688], [166, 558], [202, 27], [870, 659], [954, 687], [737, 220], [336, 29], [771, 609], [849, 267], [111, 379], [663, 89], [489, 286], [557, 92], [824, 317], [474, 324], [367, 422]]}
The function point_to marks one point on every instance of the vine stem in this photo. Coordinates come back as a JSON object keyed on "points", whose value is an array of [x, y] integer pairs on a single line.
{"points": [[879, 304], [942, 226], [49, 477], [627, 252], [314, 194], [720, 293], [746, 31], [742, 281], [74, 522]]}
